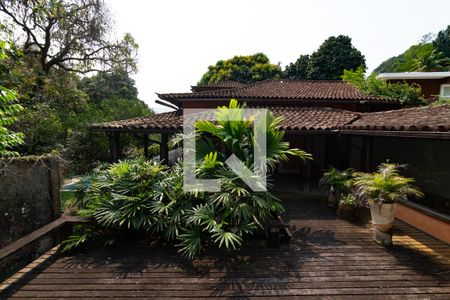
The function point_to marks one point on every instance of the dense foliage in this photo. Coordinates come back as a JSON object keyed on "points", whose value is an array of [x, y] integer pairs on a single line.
{"points": [[9, 109], [385, 186], [429, 55], [338, 181], [71, 35], [145, 196], [372, 85], [335, 55], [442, 42], [51, 44], [298, 69], [244, 69]]}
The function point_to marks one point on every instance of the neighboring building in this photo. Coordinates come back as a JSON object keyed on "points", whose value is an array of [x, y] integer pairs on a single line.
{"points": [[434, 84], [335, 122]]}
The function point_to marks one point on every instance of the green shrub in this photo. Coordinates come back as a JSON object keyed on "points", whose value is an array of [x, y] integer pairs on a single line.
{"points": [[145, 196], [406, 94], [385, 186], [338, 181], [348, 200]]}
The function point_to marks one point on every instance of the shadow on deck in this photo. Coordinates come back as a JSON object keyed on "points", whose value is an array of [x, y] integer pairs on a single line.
{"points": [[327, 258]]}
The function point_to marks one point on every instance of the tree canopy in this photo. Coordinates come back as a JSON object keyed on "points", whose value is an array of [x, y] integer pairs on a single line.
{"points": [[431, 54], [9, 109], [335, 55], [244, 69], [298, 69], [442, 42], [72, 35], [68, 72]]}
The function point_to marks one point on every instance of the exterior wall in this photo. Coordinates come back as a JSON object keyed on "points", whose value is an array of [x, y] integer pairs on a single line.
{"points": [[351, 106], [427, 162], [436, 227], [431, 88], [29, 199]]}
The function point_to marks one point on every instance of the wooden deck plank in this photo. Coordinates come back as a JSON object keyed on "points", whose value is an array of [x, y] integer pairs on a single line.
{"points": [[326, 258]]}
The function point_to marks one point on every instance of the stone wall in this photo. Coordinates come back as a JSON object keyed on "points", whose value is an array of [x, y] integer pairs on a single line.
{"points": [[29, 199]]}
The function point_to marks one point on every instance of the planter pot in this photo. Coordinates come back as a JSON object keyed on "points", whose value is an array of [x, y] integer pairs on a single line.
{"points": [[347, 212], [333, 199], [383, 217]]}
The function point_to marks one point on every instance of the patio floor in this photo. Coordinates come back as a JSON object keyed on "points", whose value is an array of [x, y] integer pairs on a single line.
{"points": [[327, 258]]}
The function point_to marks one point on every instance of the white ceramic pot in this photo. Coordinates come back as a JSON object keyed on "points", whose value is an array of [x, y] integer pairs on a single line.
{"points": [[333, 198], [383, 217], [383, 214]]}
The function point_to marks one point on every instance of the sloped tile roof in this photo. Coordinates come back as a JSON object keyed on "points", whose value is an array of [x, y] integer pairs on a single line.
{"points": [[284, 89], [294, 118], [426, 118], [163, 121], [303, 118], [223, 85]]}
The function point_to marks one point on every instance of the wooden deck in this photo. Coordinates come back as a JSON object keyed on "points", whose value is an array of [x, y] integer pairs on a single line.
{"points": [[327, 258]]}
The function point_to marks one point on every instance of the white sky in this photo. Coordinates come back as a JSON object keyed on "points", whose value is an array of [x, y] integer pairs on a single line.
{"points": [[179, 39]]}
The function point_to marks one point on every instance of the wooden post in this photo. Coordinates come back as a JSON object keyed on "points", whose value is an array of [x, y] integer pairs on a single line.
{"points": [[146, 145], [164, 149], [115, 146]]}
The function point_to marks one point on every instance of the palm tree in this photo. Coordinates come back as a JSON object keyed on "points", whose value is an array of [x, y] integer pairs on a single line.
{"points": [[145, 196], [431, 62]]}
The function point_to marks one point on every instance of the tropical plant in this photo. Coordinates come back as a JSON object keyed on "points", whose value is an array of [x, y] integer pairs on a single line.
{"points": [[9, 110], [239, 139], [348, 200], [422, 56], [145, 196], [372, 85], [385, 186], [338, 181], [244, 69], [431, 62]]}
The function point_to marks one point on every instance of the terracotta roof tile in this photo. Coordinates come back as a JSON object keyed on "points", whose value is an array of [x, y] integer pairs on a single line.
{"points": [[223, 85], [426, 118], [283, 89], [165, 121], [294, 118]]}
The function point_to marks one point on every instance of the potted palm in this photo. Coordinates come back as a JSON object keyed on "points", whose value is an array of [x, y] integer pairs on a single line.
{"points": [[381, 191], [339, 184], [347, 206]]}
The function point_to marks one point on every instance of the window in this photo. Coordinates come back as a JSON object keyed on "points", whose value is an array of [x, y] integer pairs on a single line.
{"points": [[445, 90]]}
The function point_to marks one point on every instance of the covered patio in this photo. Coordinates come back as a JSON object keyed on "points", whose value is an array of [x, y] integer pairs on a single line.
{"points": [[326, 258]]}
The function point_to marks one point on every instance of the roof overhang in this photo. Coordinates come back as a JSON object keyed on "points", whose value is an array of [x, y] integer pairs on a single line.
{"points": [[414, 75], [397, 133]]}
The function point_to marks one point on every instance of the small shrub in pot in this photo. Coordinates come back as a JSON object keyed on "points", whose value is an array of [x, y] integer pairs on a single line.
{"points": [[347, 206], [338, 182], [381, 191]]}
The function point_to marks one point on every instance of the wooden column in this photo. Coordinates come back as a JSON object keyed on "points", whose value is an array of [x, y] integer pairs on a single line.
{"points": [[164, 148], [146, 145], [115, 146]]}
